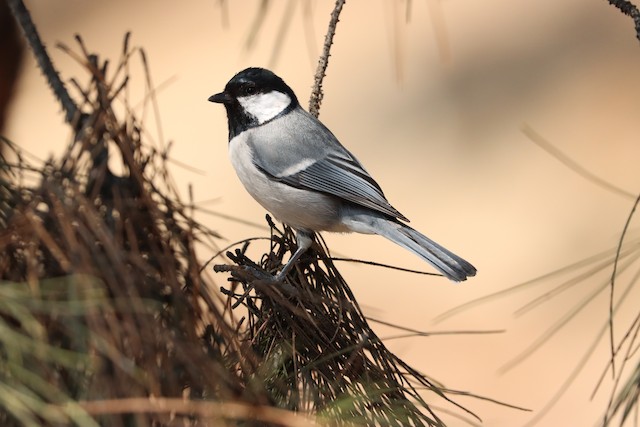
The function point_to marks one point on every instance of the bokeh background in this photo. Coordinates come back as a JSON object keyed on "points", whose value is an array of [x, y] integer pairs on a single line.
{"points": [[431, 96]]}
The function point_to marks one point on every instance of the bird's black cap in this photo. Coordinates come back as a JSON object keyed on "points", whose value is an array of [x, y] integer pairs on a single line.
{"points": [[252, 81]]}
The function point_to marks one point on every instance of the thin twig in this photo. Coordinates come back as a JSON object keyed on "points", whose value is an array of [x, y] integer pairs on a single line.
{"points": [[316, 94], [22, 16], [416, 332], [630, 10], [392, 267], [614, 273], [541, 142]]}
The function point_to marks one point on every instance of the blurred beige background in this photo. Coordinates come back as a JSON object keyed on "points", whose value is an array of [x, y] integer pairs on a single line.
{"points": [[441, 137]]}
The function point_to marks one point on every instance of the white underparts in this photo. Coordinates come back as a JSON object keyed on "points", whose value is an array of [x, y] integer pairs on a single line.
{"points": [[265, 106]]}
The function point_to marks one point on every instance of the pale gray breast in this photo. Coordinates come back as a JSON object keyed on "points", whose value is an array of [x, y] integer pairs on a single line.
{"points": [[302, 209]]}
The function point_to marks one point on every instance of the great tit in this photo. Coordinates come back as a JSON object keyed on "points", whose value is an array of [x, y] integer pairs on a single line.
{"points": [[298, 170]]}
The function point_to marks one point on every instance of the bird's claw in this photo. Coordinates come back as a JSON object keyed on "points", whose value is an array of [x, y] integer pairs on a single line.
{"points": [[248, 274], [261, 275]]}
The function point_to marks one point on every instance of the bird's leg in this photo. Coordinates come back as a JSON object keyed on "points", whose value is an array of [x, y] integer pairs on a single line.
{"points": [[305, 239]]}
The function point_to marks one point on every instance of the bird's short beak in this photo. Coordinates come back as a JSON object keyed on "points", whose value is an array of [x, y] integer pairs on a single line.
{"points": [[221, 98]]}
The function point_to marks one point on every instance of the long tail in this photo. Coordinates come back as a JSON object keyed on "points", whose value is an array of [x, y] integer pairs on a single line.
{"points": [[448, 263]]}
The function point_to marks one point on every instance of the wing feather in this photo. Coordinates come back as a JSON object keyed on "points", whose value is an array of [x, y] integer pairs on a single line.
{"points": [[342, 178], [324, 165]]}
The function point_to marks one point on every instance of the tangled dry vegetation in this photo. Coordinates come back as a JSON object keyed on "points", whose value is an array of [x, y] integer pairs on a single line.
{"points": [[107, 317]]}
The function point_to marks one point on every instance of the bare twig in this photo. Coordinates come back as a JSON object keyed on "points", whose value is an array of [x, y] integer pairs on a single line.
{"points": [[316, 94], [614, 273], [22, 16], [630, 10], [547, 146]]}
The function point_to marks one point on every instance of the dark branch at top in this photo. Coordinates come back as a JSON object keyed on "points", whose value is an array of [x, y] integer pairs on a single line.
{"points": [[23, 18], [629, 9]]}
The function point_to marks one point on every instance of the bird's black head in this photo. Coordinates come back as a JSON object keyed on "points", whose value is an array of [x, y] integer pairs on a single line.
{"points": [[254, 97]]}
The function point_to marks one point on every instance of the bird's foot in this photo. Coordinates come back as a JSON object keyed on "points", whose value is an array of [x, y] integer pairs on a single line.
{"points": [[256, 278], [247, 274]]}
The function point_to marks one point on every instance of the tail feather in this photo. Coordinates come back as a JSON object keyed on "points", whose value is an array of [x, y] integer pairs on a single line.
{"points": [[448, 263]]}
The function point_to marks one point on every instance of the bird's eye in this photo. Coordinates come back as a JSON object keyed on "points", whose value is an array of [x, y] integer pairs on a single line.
{"points": [[249, 90]]}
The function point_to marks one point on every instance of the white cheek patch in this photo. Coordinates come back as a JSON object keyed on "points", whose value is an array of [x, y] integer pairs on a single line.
{"points": [[265, 106]]}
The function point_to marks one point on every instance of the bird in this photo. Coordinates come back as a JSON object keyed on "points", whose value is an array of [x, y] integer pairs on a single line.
{"points": [[295, 167]]}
